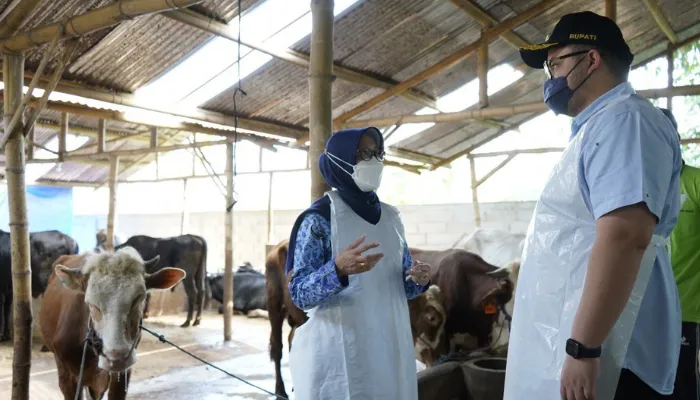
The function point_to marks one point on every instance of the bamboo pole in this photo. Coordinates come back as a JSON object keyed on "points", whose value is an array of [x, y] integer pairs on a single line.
{"points": [[270, 224], [154, 145], [475, 193], [18, 15], [504, 111], [30, 145], [449, 61], [62, 137], [32, 85], [516, 152], [143, 150], [611, 9], [197, 20], [661, 20], [669, 60], [482, 70], [92, 20], [494, 170], [112, 215], [68, 51], [13, 66], [101, 133], [228, 244], [473, 10], [184, 218], [320, 87]]}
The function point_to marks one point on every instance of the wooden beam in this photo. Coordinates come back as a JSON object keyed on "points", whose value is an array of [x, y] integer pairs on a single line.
{"points": [[71, 156], [447, 62], [320, 87], [661, 20], [30, 145], [68, 51], [62, 137], [475, 193], [482, 17], [228, 244], [101, 133], [504, 111], [16, 15], [112, 214], [270, 223], [482, 70], [91, 21], [494, 169], [154, 137], [13, 65], [197, 20], [669, 72], [611, 9], [516, 152]]}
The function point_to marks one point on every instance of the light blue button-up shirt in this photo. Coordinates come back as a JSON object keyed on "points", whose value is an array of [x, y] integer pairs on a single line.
{"points": [[631, 154]]}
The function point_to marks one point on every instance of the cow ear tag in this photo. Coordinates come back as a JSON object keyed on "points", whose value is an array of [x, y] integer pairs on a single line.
{"points": [[490, 309]]}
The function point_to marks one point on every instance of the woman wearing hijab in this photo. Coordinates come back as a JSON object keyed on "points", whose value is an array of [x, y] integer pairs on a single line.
{"points": [[357, 341]]}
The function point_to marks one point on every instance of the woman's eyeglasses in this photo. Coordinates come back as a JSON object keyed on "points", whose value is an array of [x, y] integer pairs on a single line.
{"points": [[367, 154]]}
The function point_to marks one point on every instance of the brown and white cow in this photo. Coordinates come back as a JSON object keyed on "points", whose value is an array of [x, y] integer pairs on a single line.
{"points": [[106, 292], [428, 317]]}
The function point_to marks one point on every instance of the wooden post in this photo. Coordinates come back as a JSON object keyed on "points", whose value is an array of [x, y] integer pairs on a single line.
{"points": [[184, 218], [154, 144], [475, 195], [62, 136], [30, 145], [228, 237], [320, 83], [482, 69], [269, 210], [669, 60], [111, 216], [611, 9], [13, 73], [101, 134]]}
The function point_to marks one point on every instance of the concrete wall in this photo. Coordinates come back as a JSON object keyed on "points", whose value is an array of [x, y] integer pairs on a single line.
{"points": [[427, 226]]}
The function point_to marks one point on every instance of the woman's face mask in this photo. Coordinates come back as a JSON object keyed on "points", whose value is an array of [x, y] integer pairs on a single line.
{"points": [[366, 174]]}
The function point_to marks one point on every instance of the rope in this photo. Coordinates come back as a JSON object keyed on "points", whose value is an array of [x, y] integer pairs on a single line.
{"points": [[164, 340], [235, 106]]}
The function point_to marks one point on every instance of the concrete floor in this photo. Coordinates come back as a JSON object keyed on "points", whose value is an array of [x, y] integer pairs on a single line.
{"points": [[163, 372]]}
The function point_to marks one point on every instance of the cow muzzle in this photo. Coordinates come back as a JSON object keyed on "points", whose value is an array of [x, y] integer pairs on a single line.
{"points": [[117, 360]]}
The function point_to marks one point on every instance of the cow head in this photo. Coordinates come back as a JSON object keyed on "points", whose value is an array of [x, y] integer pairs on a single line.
{"points": [[428, 325], [115, 286], [43, 255]]}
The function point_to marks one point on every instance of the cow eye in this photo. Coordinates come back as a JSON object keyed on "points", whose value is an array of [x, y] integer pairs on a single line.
{"points": [[95, 313]]}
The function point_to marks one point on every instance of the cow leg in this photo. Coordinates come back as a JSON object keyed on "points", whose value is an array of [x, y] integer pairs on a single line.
{"points": [[67, 383], [145, 307], [2, 319], [201, 291], [7, 317], [276, 345], [191, 298]]}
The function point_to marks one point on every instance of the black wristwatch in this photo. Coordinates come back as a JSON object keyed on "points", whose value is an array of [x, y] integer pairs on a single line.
{"points": [[578, 350]]}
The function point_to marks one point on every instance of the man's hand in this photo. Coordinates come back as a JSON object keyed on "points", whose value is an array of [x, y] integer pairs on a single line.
{"points": [[351, 261], [578, 378]]}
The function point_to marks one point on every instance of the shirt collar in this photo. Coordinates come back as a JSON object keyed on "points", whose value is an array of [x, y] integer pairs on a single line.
{"points": [[600, 102]]}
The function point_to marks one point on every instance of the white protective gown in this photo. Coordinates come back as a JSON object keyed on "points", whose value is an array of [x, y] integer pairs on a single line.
{"points": [[554, 263], [358, 344]]}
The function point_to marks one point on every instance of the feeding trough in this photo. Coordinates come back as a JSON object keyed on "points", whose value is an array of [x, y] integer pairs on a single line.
{"points": [[485, 378]]}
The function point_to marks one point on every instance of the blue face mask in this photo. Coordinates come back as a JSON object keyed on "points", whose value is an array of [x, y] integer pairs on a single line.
{"points": [[557, 94]]}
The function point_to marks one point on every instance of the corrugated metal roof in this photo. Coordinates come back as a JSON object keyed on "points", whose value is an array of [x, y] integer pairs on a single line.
{"points": [[393, 39]]}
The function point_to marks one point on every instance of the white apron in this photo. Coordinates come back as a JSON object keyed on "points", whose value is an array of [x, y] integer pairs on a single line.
{"points": [[554, 263], [358, 344]]}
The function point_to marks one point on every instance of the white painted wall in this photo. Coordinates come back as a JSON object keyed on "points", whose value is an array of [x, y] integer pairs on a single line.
{"points": [[427, 226]]}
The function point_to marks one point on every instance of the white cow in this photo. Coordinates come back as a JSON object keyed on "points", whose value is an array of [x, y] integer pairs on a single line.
{"points": [[502, 249]]}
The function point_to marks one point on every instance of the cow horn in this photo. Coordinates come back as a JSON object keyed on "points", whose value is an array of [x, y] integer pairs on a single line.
{"points": [[499, 271]]}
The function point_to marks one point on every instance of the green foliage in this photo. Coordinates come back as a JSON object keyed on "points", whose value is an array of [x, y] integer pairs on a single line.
{"points": [[686, 68]]}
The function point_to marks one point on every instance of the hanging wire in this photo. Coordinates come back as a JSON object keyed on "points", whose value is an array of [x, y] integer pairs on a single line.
{"points": [[235, 106]]}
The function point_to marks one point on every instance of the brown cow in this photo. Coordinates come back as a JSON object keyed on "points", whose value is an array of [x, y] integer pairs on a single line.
{"points": [[105, 292], [472, 291], [433, 335]]}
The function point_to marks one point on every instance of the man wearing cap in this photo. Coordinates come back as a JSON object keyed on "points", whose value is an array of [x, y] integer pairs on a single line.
{"points": [[685, 259], [596, 313]]}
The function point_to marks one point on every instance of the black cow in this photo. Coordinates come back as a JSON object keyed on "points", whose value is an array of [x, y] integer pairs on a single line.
{"points": [[249, 291], [44, 247], [187, 252]]}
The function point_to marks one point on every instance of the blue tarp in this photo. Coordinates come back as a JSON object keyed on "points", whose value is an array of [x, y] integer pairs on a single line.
{"points": [[48, 208]]}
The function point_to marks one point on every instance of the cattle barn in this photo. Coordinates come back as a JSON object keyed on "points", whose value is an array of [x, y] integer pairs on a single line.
{"points": [[173, 143]]}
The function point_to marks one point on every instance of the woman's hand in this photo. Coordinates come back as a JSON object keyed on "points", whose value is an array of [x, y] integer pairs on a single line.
{"points": [[351, 261], [419, 273]]}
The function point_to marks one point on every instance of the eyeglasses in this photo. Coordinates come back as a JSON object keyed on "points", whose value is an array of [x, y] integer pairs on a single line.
{"points": [[548, 63], [367, 154]]}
